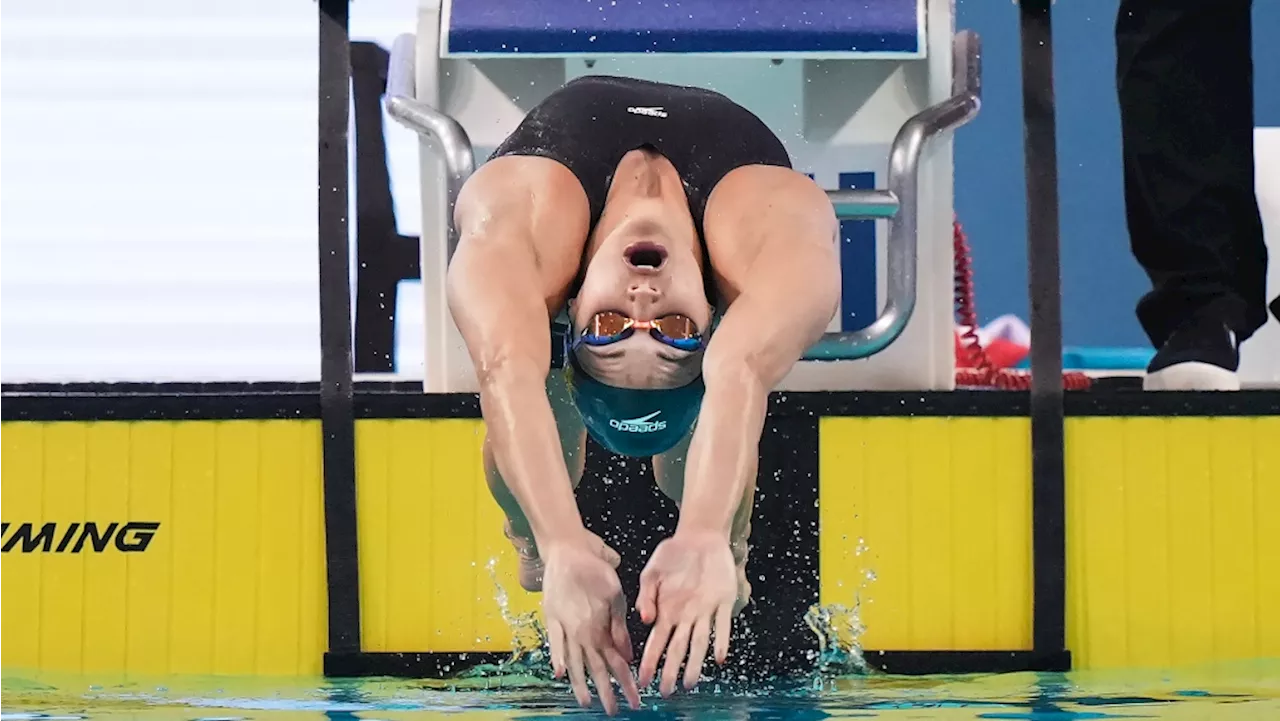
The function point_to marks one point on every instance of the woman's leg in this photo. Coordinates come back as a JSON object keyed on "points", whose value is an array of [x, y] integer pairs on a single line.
{"points": [[530, 211], [573, 436]]}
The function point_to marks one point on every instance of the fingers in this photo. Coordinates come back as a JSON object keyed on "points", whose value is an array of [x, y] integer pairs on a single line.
{"points": [[724, 623], [621, 655], [653, 648], [675, 655], [621, 669], [647, 601], [619, 633], [577, 678], [600, 653], [697, 652], [601, 660], [609, 555], [605, 552], [604, 685], [555, 636]]}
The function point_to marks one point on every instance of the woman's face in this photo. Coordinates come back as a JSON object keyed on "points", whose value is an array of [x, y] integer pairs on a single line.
{"points": [[640, 272]]}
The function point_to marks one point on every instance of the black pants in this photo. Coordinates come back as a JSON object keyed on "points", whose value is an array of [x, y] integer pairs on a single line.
{"points": [[1184, 74]]}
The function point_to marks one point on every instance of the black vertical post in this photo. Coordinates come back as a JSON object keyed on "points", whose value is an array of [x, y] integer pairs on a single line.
{"points": [[336, 407], [1044, 276], [384, 257]]}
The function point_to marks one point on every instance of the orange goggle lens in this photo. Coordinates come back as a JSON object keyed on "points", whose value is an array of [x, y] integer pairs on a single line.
{"points": [[675, 330]]}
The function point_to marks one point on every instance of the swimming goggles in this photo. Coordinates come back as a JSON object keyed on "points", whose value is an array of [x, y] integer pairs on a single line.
{"points": [[609, 326]]}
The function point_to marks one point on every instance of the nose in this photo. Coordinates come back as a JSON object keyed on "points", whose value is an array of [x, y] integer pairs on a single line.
{"points": [[643, 294]]}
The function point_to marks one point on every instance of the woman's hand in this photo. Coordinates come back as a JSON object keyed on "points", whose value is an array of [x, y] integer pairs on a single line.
{"points": [[689, 584], [586, 617]]}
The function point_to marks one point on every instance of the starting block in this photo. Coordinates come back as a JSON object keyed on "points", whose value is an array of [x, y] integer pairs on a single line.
{"points": [[860, 94]]}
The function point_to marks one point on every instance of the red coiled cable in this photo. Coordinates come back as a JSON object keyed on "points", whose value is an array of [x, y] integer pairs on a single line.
{"points": [[983, 373]]}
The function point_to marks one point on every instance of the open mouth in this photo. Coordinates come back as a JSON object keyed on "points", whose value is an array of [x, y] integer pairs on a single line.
{"points": [[645, 255]]}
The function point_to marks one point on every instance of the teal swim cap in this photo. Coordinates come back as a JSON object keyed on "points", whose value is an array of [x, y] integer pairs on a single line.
{"points": [[633, 422]]}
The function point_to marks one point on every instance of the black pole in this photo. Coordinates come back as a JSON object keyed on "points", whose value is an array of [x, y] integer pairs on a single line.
{"points": [[1044, 277], [337, 419], [384, 257]]}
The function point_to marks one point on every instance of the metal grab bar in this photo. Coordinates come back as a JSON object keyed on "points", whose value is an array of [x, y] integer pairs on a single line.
{"points": [[903, 192], [899, 204], [403, 105], [863, 204]]}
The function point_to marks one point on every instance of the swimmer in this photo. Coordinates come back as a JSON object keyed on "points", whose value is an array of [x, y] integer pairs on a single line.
{"points": [[694, 267]]}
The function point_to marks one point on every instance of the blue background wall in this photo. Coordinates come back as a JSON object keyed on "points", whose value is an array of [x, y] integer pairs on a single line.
{"points": [[1101, 281]]}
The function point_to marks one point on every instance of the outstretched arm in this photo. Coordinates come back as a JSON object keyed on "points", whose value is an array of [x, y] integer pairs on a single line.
{"points": [[523, 222], [789, 293], [516, 256]]}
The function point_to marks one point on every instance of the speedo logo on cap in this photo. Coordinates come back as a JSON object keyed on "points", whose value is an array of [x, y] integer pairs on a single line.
{"points": [[644, 424], [658, 112]]}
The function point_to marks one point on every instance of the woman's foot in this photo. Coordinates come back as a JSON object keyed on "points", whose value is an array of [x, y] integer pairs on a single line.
{"points": [[530, 573]]}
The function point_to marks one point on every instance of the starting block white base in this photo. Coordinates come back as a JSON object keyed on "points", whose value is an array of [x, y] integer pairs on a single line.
{"points": [[834, 114]]}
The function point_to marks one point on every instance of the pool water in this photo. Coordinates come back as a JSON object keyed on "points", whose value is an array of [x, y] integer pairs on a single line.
{"points": [[1219, 693]]}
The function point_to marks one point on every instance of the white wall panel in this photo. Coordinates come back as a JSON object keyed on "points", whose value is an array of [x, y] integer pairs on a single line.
{"points": [[158, 195]]}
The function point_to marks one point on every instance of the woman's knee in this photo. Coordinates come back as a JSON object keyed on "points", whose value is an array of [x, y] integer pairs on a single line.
{"points": [[575, 459], [497, 485], [668, 470]]}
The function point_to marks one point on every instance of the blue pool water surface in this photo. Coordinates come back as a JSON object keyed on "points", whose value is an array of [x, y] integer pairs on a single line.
{"points": [[1220, 693]]}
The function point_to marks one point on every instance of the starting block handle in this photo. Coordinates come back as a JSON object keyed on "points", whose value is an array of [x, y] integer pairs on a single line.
{"points": [[403, 105], [900, 205]]}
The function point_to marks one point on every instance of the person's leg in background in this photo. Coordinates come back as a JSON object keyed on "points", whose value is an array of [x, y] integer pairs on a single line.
{"points": [[1184, 76]]}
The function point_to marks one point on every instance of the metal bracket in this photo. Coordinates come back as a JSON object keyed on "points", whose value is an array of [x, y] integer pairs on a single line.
{"points": [[900, 205], [447, 133]]}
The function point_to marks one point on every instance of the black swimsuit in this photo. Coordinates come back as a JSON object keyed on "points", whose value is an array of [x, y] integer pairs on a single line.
{"points": [[591, 122]]}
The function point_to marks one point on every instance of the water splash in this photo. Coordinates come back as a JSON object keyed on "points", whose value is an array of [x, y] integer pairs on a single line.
{"points": [[839, 629], [529, 660]]}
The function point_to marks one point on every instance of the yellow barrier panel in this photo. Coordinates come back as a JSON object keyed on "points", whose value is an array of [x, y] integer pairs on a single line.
{"points": [[928, 522], [1173, 551], [231, 582], [1173, 541], [428, 532]]}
